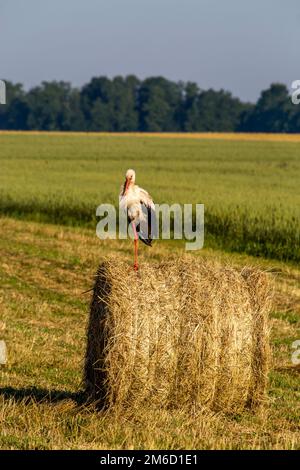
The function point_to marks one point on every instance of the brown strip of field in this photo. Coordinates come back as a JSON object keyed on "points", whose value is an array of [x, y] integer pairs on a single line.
{"points": [[234, 136]]}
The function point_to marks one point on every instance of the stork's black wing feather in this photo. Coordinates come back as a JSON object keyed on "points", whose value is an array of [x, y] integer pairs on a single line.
{"points": [[147, 227]]}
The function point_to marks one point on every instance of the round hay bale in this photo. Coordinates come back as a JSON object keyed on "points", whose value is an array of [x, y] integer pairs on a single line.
{"points": [[182, 333]]}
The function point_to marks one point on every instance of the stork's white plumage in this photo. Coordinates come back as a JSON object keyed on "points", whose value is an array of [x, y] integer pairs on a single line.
{"points": [[140, 210]]}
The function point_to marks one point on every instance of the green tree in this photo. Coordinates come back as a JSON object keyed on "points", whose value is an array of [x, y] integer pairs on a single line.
{"points": [[272, 112], [190, 114], [159, 105], [219, 111], [96, 105], [14, 114], [125, 103], [52, 106], [111, 105], [294, 122]]}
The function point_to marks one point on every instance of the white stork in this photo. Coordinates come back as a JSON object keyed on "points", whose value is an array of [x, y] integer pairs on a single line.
{"points": [[140, 210]]}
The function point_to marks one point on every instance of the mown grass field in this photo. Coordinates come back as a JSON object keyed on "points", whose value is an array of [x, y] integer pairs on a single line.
{"points": [[250, 188], [45, 267], [44, 270]]}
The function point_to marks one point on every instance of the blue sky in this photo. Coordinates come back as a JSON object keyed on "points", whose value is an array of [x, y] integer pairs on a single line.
{"points": [[238, 45]]}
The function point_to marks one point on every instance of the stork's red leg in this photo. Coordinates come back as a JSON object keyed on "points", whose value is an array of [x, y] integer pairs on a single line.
{"points": [[136, 241], [135, 266]]}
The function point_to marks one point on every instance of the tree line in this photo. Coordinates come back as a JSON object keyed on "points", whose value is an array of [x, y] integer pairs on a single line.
{"points": [[152, 105]]}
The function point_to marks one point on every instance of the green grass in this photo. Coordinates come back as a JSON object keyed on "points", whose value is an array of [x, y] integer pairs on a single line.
{"points": [[44, 270], [250, 189]]}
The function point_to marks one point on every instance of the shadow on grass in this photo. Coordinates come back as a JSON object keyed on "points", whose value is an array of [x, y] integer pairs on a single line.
{"points": [[290, 369], [41, 395]]}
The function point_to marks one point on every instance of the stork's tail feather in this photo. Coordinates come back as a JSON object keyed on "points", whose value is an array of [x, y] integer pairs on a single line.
{"points": [[147, 241]]}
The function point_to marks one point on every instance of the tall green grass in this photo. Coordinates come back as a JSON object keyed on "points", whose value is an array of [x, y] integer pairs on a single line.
{"points": [[250, 189]]}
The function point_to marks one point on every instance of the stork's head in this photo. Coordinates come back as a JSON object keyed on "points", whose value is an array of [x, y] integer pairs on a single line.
{"points": [[130, 176], [129, 180]]}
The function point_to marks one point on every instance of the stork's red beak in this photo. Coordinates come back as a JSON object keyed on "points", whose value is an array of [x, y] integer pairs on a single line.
{"points": [[126, 186]]}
